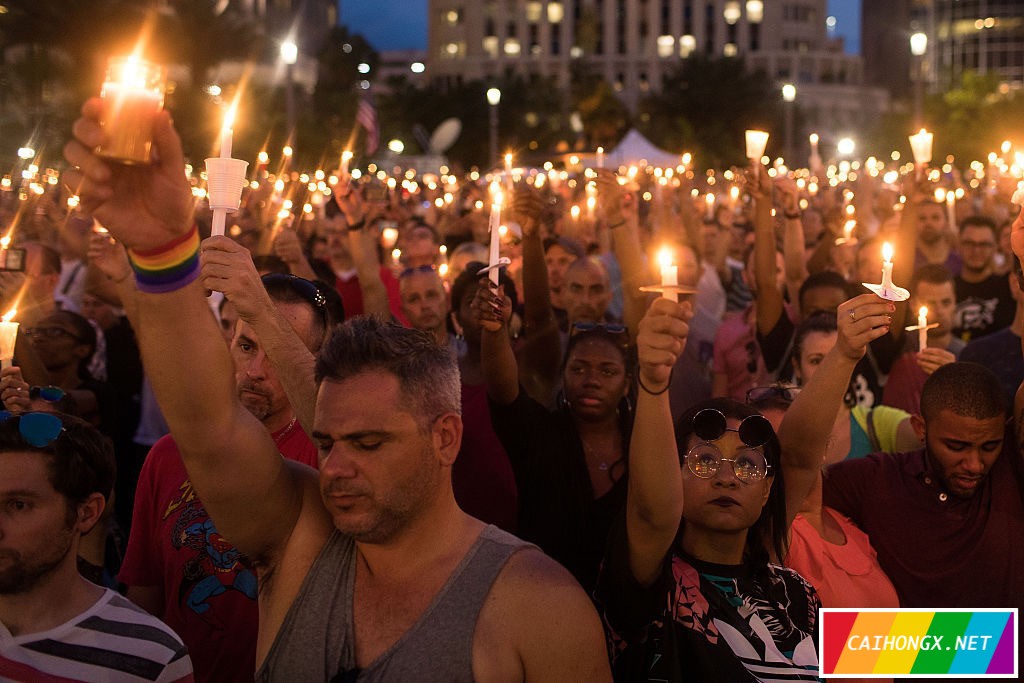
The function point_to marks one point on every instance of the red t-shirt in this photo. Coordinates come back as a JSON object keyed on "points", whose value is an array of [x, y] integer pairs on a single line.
{"points": [[352, 295], [209, 591]]}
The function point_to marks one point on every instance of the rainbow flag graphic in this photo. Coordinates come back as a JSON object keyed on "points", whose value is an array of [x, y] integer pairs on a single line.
{"points": [[916, 642]]}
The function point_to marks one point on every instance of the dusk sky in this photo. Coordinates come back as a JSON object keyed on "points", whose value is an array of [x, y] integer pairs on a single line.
{"points": [[402, 24]]}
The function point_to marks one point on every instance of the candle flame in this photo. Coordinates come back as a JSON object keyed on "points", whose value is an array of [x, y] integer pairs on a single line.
{"points": [[814, 138], [709, 198], [229, 116], [346, 155], [665, 257], [442, 270], [9, 315], [287, 150], [575, 212], [508, 159], [262, 157], [5, 242], [922, 313], [848, 229], [940, 195], [887, 252]]}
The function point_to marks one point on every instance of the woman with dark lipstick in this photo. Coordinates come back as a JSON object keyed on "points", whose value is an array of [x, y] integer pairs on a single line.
{"points": [[690, 587]]}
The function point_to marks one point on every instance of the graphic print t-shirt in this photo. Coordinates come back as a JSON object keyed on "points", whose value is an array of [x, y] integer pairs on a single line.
{"points": [[702, 621], [982, 307]]}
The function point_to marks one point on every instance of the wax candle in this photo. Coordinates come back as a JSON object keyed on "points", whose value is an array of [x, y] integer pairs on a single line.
{"points": [[951, 208], [887, 255], [921, 146], [8, 336], [669, 273], [756, 140], [346, 157], [494, 225], [709, 201], [922, 328], [133, 95], [600, 157], [508, 174]]}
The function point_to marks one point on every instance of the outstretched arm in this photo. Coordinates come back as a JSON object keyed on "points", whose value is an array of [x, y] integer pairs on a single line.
{"points": [[232, 461], [808, 422], [654, 502], [501, 373], [540, 353], [769, 298], [228, 268]]}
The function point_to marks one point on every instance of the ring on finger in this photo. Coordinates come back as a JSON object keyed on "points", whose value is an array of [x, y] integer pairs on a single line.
{"points": [[853, 314]]}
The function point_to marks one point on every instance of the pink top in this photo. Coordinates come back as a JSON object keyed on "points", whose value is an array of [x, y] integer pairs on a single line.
{"points": [[844, 575]]}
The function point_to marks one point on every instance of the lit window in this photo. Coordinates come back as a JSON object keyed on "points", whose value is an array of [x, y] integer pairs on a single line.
{"points": [[729, 50], [512, 46], [755, 11], [576, 52], [687, 44], [731, 13], [533, 11], [417, 67], [452, 17], [453, 49], [556, 12], [490, 45], [666, 45]]}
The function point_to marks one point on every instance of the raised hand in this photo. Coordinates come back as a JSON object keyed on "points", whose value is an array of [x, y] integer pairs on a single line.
{"points": [[143, 206], [491, 307], [528, 207], [227, 267], [108, 256], [861, 320], [14, 391], [661, 340], [931, 359]]}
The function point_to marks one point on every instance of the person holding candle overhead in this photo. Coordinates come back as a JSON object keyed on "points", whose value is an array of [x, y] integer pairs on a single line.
{"points": [[932, 288], [369, 567], [690, 585]]}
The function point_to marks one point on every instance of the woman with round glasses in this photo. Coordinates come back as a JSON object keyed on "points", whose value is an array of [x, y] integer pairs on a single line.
{"points": [[689, 585]]}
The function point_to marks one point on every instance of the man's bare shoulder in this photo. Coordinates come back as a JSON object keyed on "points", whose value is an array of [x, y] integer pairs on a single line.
{"points": [[283, 569], [538, 623]]}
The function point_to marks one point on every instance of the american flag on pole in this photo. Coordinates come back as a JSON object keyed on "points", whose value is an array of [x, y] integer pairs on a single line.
{"points": [[366, 116]]}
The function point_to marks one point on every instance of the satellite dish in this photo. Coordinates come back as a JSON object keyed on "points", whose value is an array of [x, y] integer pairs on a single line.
{"points": [[445, 136]]}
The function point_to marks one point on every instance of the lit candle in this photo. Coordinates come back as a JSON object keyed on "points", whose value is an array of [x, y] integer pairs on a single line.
{"points": [[226, 133], [951, 208], [133, 95], [600, 157], [921, 146], [220, 214], [886, 266], [922, 328], [669, 273], [495, 224], [757, 140], [346, 157], [8, 336], [508, 174], [709, 201]]}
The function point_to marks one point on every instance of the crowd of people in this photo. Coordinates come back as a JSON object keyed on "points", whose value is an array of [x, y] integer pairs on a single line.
{"points": [[338, 462]]}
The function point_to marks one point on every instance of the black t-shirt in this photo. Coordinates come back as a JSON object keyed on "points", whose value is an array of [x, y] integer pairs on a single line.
{"points": [[557, 508], [869, 376], [1001, 353], [982, 307], [727, 623]]}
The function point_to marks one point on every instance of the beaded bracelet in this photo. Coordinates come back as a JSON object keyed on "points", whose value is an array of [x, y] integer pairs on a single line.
{"points": [[168, 267]]}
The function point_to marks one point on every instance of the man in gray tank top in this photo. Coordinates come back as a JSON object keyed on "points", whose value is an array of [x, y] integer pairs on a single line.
{"points": [[369, 570]]}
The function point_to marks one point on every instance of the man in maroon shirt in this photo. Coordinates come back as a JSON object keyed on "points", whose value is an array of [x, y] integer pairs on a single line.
{"points": [[177, 565]]}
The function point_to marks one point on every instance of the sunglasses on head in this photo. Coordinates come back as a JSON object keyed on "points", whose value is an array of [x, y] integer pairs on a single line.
{"points": [[779, 391], [48, 393], [607, 328], [309, 291], [417, 269], [710, 424], [38, 429]]}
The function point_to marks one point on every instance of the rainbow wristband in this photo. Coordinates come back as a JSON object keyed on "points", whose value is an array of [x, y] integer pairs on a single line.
{"points": [[168, 267]]}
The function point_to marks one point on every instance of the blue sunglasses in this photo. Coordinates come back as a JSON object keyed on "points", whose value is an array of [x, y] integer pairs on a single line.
{"points": [[38, 429]]}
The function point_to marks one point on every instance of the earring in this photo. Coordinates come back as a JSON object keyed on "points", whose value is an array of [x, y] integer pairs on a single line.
{"points": [[562, 401]]}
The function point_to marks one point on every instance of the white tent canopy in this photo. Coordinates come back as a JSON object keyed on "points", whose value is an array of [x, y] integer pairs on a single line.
{"points": [[635, 148]]}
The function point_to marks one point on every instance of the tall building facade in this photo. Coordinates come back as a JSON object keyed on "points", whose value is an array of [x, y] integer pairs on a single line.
{"points": [[986, 36], [634, 44]]}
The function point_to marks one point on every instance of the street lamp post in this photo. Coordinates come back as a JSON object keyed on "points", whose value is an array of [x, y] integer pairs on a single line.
{"points": [[289, 55], [789, 97], [493, 99], [918, 47]]}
